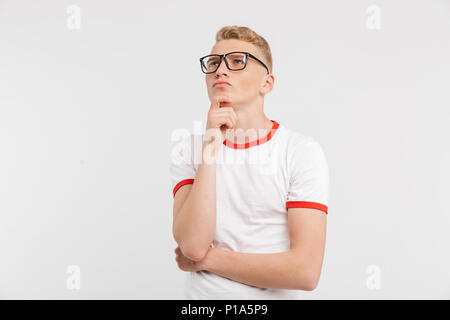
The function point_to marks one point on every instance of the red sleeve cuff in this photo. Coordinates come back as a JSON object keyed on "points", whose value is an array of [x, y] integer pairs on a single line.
{"points": [[307, 204], [182, 183]]}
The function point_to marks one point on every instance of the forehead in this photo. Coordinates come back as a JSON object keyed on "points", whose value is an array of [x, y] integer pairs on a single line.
{"points": [[229, 45]]}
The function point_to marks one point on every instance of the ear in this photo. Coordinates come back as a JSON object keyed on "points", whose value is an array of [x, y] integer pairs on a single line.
{"points": [[267, 84]]}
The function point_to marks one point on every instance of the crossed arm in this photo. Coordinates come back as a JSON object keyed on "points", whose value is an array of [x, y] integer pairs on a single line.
{"points": [[299, 268]]}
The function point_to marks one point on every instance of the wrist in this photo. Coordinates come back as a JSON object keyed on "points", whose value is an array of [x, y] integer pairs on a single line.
{"points": [[210, 259], [209, 152]]}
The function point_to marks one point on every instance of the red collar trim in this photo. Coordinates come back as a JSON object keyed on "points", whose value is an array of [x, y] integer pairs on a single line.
{"points": [[247, 145]]}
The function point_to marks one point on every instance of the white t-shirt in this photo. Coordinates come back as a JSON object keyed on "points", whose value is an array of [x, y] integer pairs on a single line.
{"points": [[255, 184]]}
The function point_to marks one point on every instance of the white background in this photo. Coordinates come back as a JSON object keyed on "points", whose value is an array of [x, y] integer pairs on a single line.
{"points": [[86, 117]]}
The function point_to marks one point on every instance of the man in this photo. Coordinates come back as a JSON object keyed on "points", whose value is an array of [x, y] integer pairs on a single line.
{"points": [[247, 229]]}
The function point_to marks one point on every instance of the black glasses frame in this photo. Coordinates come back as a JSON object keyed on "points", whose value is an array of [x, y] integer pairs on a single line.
{"points": [[222, 57]]}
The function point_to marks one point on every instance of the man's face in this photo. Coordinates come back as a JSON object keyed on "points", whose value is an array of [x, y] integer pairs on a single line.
{"points": [[247, 84]]}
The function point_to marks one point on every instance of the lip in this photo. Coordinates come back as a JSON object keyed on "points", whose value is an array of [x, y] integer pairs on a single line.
{"points": [[221, 83]]}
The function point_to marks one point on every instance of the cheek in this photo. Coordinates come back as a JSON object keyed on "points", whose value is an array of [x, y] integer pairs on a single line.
{"points": [[208, 88], [249, 87]]}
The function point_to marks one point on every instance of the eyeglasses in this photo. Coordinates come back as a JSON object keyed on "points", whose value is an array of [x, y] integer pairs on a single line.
{"points": [[236, 60]]}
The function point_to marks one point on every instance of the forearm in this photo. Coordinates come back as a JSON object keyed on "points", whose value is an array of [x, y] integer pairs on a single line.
{"points": [[195, 225], [282, 270]]}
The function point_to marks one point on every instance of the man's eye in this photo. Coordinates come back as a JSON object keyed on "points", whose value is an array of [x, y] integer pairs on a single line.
{"points": [[239, 60]]}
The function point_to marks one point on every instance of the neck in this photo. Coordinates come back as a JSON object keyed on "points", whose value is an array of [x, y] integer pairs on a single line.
{"points": [[252, 123]]}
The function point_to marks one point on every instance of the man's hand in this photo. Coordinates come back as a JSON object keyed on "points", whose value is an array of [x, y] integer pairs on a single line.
{"points": [[189, 265], [220, 118]]}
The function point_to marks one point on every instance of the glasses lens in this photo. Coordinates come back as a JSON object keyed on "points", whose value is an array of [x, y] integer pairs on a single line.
{"points": [[209, 64], [236, 61]]}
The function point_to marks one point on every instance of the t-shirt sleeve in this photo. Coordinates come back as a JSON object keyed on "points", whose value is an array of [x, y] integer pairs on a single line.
{"points": [[182, 170], [309, 178]]}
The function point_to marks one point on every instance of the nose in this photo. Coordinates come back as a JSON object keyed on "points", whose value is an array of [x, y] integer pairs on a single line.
{"points": [[222, 69]]}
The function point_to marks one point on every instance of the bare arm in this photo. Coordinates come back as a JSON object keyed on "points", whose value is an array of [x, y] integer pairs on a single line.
{"points": [[299, 268], [194, 220], [194, 223]]}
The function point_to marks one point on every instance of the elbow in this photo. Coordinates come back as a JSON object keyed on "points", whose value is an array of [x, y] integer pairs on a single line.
{"points": [[311, 284], [306, 273], [190, 251], [307, 280], [307, 284], [194, 253], [193, 249]]}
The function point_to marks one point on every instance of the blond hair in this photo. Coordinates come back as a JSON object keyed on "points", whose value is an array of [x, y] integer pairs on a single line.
{"points": [[248, 35]]}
